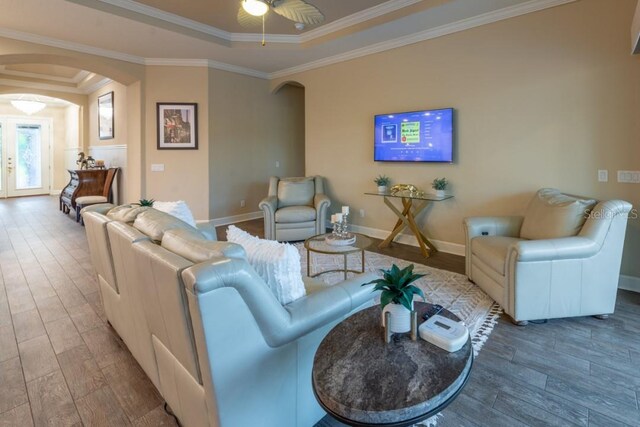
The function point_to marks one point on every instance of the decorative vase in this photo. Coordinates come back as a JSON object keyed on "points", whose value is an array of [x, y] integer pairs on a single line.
{"points": [[400, 317], [382, 189], [440, 193]]}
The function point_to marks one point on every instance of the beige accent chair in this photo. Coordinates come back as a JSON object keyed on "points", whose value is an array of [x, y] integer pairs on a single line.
{"points": [[562, 259], [207, 330], [295, 209]]}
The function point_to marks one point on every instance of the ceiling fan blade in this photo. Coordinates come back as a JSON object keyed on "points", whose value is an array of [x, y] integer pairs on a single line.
{"points": [[247, 20], [298, 11]]}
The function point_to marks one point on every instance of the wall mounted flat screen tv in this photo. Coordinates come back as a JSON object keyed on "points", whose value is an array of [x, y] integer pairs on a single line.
{"points": [[418, 136]]}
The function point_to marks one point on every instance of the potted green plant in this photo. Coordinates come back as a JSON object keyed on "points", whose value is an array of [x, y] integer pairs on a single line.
{"points": [[439, 184], [382, 181], [145, 202], [397, 295]]}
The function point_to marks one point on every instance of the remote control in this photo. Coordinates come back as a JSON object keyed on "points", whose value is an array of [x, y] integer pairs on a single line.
{"points": [[435, 309]]}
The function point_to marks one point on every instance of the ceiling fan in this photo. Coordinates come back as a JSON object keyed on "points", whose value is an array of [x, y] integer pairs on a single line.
{"points": [[252, 12]]}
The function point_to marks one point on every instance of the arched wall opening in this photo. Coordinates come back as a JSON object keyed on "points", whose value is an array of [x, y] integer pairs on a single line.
{"points": [[296, 91], [125, 150]]}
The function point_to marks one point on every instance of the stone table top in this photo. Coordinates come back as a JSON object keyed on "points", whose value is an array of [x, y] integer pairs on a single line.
{"points": [[362, 381]]}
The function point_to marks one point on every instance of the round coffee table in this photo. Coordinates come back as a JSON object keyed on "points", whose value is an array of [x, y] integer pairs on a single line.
{"points": [[318, 245], [361, 381]]}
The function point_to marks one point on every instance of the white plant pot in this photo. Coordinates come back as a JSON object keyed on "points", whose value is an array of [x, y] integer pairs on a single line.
{"points": [[400, 318], [440, 193], [382, 188]]}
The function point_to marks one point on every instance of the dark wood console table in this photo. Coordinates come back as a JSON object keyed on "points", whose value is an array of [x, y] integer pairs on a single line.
{"points": [[89, 182]]}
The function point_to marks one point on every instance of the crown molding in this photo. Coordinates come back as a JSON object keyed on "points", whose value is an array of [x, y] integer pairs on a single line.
{"points": [[63, 44], [43, 86], [355, 19], [443, 30], [96, 86], [209, 63], [337, 25], [75, 79], [465, 24]]}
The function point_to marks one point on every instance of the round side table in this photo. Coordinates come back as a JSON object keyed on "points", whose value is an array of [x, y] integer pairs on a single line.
{"points": [[361, 381], [318, 245]]}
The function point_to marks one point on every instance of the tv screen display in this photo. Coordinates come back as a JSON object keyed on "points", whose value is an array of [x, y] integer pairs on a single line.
{"points": [[418, 136]]}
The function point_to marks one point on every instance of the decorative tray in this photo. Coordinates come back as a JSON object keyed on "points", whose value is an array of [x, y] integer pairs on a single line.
{"points": [[340, 241]]}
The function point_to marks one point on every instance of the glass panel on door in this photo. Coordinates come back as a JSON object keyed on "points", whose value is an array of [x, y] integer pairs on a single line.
{"points": [[28, 159]]}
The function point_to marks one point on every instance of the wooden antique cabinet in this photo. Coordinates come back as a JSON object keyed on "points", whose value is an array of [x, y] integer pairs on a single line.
{"points": [[88, 182]]}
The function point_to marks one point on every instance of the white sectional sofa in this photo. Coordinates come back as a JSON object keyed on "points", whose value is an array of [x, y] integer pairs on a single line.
{"points": [[205, 327]]}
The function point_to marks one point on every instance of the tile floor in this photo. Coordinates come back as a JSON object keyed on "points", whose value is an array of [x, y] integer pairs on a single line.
{"points": [[60, 362]]}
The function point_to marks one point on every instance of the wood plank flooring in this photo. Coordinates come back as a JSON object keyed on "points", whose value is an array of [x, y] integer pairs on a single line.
{"points": [[61, 364]]}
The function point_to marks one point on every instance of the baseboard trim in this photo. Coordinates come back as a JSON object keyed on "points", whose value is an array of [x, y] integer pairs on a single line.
{"points": [[55, 192], [629, 283], [409, 239], [226, 220]]}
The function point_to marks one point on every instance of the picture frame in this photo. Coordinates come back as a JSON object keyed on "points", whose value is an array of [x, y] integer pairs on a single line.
{"points": [[105, 116], [177, 125]]}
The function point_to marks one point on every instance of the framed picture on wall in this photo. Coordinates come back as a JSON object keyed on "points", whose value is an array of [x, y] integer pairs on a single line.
{"points": [[105, 116], [177, 126]]}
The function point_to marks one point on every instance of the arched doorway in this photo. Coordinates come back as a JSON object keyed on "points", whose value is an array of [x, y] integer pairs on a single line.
{"points": [[126, 152], [35, 132], [294, 92]]}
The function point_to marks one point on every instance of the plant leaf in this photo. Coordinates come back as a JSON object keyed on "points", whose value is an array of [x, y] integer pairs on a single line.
{"points": [[385, 298], [416, 290], [407, 300]]}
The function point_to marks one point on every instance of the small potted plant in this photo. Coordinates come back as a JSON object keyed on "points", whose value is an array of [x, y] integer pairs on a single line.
{"points": [[439, 184], [397, 295], [145, 202], [382, 181]]}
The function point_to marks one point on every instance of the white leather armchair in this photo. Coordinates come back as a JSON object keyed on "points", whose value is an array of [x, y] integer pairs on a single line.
{"points": [[549, 278], [295, 208]]}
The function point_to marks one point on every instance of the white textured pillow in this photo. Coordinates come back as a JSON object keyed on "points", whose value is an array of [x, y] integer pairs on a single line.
{"points": [[552, 214], [179, 209], [277, 263]]}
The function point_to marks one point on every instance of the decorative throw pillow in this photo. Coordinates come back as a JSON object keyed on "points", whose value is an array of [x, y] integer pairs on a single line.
{"points": [[552, 215], [296, 192], [277, 263], [179, 209]]}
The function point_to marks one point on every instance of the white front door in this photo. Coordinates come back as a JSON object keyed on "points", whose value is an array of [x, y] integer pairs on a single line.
{"points": [[24, 163]]}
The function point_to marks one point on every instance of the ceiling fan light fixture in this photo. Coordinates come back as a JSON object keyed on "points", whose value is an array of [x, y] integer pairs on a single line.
{"points": [[255, 7]]}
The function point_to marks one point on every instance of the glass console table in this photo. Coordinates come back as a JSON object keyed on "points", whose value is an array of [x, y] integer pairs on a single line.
{"points": [[407, 216]]}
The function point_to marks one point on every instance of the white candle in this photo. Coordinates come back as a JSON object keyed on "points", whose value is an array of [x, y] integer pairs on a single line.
{"points": [[338, 217], [345, 210], [333, 219]]}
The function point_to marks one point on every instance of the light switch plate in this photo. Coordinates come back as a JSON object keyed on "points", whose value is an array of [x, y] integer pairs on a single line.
{"points": [[632, 177], [603, 175], [157, 167]]}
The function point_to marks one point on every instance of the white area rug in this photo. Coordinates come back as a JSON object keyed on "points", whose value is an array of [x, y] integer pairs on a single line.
{"points": [[451, 290]]}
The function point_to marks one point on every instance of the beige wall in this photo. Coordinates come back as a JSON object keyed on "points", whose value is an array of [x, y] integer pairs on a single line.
{"points": [[251, 129], [542, 100], [120, 112], [186, 172]]}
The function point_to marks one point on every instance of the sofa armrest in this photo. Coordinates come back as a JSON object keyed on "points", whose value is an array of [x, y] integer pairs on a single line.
{"points": [[207, 228], [269, 205], [101, 208], [279, 325], [508, 226], [553, 249], [321, 203]]}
